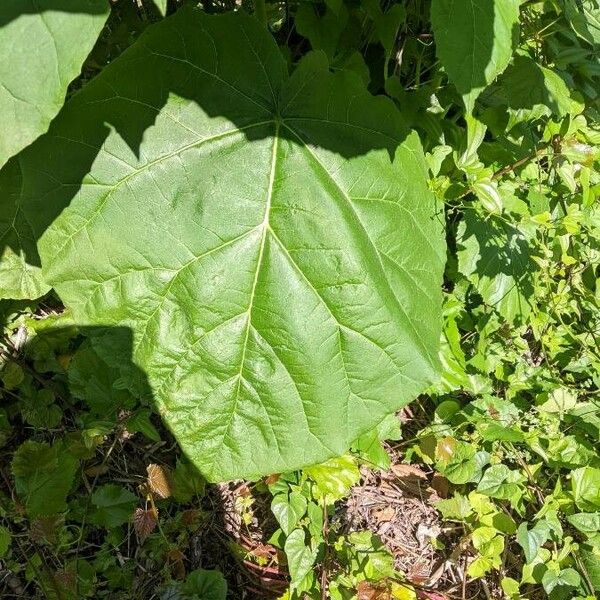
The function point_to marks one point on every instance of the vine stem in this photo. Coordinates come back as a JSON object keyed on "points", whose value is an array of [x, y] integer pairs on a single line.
{"points": [[260, 11]]}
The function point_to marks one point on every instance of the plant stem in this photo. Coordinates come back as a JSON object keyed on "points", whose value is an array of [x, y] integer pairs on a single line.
{"points": [[260, 11]]}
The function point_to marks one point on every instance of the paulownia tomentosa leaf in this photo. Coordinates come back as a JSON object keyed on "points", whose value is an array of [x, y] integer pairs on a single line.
{"points": [[43, 44], [269, 239]]}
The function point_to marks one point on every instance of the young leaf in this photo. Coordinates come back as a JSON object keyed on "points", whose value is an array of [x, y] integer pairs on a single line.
{"points": [[334, 478], [263, 317], [144, 522]]}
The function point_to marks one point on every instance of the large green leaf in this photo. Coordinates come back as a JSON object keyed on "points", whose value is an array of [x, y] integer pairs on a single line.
{"points": [[474, 41], [43, 44], [270, 240]]}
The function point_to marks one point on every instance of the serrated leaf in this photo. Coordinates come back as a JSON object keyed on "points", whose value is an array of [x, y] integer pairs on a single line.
{"points": [[144, 522], [92, 380], [114, 505], [43, 476], [262, 316], [187, 482], [205, 585], [474, 40], [159, 480]]}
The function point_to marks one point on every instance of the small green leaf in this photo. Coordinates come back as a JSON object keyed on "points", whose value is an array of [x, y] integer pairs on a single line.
{"points": [[140, 422], [585, 483], [114, 505], [188, 482], [334, 478], [559, 401], [499, 481], [12, 375], [205, 585], [585, 522], [300, 556], [288, 510], [461, 465], [566, 578], [532, 539], [457, 507]]}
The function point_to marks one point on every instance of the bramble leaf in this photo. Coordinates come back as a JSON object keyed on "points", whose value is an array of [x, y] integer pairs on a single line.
{"points": [[43, 476], [114, 505]]}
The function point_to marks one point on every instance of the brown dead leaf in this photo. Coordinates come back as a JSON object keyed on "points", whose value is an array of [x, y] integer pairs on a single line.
{"points": [[425, 595], [419, 572], [144, 522], [367, 590], [385, 515], [403, 471], [96, 470], [191, 518], [271, 479], [440, 484], [159, 480], [175, 559]]}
